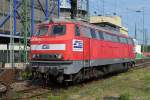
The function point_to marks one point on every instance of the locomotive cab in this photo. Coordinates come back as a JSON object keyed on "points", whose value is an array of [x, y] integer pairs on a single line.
{"points": [[52, 47], [52, 42]]}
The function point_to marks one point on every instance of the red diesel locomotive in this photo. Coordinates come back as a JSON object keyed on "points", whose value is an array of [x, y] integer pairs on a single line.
{"points": [[75, 51]]}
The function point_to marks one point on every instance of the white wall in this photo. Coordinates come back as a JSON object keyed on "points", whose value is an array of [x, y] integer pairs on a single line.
{"points": [[16, 47], [138, 49]]}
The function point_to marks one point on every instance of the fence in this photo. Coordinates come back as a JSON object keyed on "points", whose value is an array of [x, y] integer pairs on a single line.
{"points": [[5, 56]]}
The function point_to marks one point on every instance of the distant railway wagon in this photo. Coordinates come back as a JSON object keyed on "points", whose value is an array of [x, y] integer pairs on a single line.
{"points": [[74, 51]]}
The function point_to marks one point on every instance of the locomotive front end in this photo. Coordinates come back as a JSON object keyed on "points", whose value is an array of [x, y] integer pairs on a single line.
{"points": [[51, 49]]}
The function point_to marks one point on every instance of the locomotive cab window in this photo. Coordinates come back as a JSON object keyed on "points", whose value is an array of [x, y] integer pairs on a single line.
{"points": [[100, 35], [97, 34], [130, 41], [115, 38], [123, 40], [86, 32], [42, 31], [93, 34], [107, 36], [77, 31], [58, 30]]}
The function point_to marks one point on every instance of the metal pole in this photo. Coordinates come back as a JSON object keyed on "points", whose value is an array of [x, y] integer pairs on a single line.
{"points": [[143, 30], [88, 11], [46, 7], [26, 31], [15, 24], [145, 40], [12, 29], [11, 34], [58, 8], [77, 13], [135, 31], [103, 7], [73, 9], [25, 28], [53, 8], [15, 19], [116, 7], [32, 17]]}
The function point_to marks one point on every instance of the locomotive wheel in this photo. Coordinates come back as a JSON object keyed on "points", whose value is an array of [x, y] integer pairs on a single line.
{"points": [[60, 78], [78, 78], [105, 70], [95, 73], [98, 73], [129, 65], [126, 66]]}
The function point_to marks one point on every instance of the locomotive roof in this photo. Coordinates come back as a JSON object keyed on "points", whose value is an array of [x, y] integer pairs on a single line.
{"points": [[82, 23]]}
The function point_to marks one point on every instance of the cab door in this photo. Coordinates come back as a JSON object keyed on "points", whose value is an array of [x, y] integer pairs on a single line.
{"points": [[84, 41], [86, 35], [86, 53], [78, 46]]}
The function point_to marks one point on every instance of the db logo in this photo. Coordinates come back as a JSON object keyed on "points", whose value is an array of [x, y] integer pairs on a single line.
{"points": [[77, 45], [45, 46]]}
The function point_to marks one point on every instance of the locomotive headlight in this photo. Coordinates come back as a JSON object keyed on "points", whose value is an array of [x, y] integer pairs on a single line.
{"points": [[59, 56], [33, 56]]}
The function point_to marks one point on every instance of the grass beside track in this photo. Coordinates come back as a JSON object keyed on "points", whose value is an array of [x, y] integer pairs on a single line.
{"points": [[132, 85]]}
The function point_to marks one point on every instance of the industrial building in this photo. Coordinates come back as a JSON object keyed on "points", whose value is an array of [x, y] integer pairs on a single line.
{"points": [[82, 9], [26, 14], [110, 22], [19, 24], [43, 9]]}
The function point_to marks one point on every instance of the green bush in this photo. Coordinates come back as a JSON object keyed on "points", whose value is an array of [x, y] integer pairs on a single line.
{"points": [[26, 75], [125, 96], [51, 97]]}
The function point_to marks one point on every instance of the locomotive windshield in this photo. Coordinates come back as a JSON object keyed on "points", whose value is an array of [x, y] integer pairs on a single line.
{"points": [[42, 31], [58, 30]]}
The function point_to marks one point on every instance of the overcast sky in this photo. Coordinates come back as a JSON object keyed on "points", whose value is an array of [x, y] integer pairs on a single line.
{"points": [[127, 10]]}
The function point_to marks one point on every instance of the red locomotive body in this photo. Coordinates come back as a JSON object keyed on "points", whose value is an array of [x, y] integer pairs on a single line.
{"points": [[73, 51]]}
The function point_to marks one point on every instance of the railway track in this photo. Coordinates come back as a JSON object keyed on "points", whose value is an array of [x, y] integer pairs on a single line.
{"points": [[36, 91], [141, 65], [7, 77], [31, 93]]}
